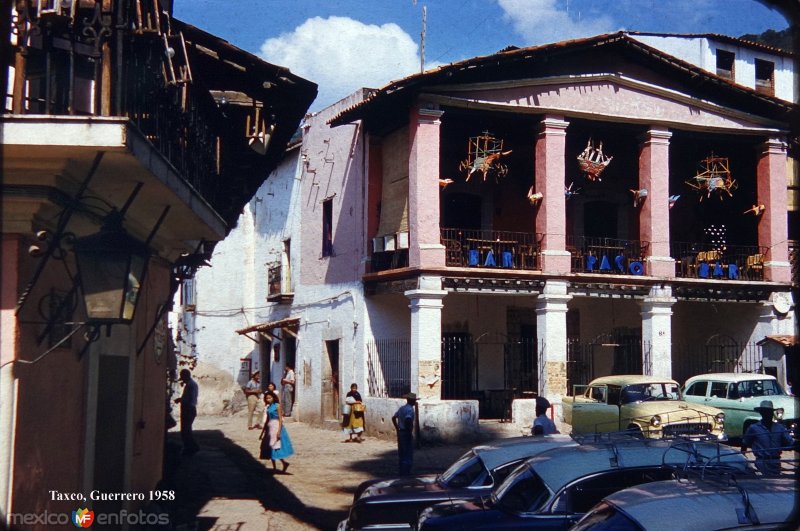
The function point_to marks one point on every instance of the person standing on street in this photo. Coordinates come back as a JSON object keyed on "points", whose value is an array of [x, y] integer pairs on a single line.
{"points": [[252, 390], [287, 397], [768, 439], [275, 441], [403, 422], [188, 402], [542, 424]]}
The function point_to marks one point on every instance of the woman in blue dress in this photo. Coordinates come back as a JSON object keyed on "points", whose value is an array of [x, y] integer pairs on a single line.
{"points": [[275, 442]]}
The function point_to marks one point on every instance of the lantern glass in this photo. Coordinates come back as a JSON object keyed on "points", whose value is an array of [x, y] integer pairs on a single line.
{"points": [[112, 266]]}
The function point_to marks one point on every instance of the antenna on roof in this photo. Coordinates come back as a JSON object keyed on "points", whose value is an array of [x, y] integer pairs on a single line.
{"points": [[422, 39]]}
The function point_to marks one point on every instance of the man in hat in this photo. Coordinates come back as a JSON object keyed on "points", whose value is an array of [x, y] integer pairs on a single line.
{"points": [[542, 424], [188, 402], [767, 438], [403, 422], [252, 390]]}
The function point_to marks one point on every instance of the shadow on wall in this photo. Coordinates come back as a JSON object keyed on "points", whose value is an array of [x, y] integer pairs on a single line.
{"points": [[218, 393]]}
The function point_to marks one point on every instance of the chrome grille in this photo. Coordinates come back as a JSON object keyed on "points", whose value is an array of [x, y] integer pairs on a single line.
{"points": [[687, 428]]}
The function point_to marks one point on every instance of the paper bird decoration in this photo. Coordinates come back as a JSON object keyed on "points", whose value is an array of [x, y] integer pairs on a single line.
{"points": [[570, 192], [756, 210], [638, 196], [673, 199], [534, 198], [444, 182]]}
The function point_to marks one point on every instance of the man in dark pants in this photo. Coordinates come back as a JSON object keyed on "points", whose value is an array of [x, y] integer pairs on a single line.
{"points": [[403, 422], [188, 402], [768, 438]]}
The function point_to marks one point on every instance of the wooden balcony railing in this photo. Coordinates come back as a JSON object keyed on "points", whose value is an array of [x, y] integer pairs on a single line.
{"points": [[718, 262], [491, 249], [607, 255]]}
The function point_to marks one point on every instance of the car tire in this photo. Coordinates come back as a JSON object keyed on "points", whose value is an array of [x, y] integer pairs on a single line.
{"points": [[635, 431]]}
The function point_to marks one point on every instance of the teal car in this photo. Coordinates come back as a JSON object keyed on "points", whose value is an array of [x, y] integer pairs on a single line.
{"points": [[737, 394]]}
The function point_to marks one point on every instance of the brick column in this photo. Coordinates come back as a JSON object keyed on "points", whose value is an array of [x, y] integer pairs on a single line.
{"points": [[657, 331], [425, 247], [773, 231], [654, 215], [551, 218], [426, 337], [551, 327]]}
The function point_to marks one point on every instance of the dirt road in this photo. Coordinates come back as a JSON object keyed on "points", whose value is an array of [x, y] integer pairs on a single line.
{"points": [[226, 487]]}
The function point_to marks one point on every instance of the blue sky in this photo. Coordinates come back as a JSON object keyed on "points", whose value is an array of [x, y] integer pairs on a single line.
{"points": [[346, 44]]}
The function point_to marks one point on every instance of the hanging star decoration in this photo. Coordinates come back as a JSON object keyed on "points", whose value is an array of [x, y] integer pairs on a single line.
{"points": [[483, 154], [592, 161]]}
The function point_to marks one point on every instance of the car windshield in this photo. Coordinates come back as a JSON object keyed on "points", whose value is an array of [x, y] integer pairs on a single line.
{"points": [[522, 491], [756, 388], [650, 391], [463, 472]]}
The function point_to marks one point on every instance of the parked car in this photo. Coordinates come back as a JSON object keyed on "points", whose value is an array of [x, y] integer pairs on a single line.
{"points": [[737, 394], [697, 505], [649, 406], [554, 489], [396, 503]]}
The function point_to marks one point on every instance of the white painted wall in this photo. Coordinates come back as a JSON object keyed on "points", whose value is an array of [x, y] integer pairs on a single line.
{"points": [[701, 52]]}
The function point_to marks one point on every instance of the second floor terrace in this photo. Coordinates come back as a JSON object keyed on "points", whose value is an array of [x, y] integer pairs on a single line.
{"points": [[192, 121]]}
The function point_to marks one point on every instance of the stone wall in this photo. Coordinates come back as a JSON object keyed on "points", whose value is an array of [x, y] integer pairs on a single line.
{"points": [[439, 421]]}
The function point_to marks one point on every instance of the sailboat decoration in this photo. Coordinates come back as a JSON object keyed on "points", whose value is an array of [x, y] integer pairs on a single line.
{"points": [[713, 177], [592, 161]]}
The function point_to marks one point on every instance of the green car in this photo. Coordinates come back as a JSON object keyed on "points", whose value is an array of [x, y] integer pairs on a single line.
{"points": [[737, 394]]}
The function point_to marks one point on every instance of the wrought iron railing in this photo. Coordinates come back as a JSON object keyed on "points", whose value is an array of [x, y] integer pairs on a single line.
{"points": [[491, 249], [83, 60], [794, 261], [389, 368], [730, 356], [720, 262], [607, 255]]}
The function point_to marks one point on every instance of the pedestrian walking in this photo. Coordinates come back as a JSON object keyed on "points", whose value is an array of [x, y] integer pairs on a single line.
{"points": [[768, 439], [403, 421], [252, 390], [353, 411], [287, 397], [275, 441], [188, 402], [542, 424]]}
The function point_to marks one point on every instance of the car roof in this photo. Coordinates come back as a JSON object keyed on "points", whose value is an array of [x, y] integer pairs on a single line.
{"points": [[502, 451], [561, 466], [705, 504], [627, 379], [731, 377]]}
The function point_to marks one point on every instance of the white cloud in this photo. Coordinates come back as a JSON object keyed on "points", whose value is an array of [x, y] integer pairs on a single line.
{"points": [[342, 55], [541, 21]]}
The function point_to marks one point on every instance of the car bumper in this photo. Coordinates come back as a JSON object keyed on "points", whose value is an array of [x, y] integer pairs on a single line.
{"points": [[344, 525]]}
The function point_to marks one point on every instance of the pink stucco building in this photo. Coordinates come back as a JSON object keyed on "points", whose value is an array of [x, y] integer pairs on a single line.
{"points": [[445, 240]]}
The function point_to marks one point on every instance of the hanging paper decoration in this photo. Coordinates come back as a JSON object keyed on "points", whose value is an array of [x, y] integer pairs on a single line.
{"points": [[444, 182], [483, 152], [714, 176], [571, 192], [638, 196], [592, 161], [534, 198], [756, 210], [673, 199]]}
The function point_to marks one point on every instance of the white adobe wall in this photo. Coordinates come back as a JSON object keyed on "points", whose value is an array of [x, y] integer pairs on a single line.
{"points": [[701, 52]]}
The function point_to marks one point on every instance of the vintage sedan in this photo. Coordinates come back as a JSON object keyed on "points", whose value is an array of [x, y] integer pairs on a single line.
{"points": [[697, 505], [737, 394], [648, 406], [554, 489], [396, 503]]}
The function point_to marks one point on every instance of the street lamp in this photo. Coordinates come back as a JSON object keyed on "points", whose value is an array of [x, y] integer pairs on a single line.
{"points": [[111, 267]]}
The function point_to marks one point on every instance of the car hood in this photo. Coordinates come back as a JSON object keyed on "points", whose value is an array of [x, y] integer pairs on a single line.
{"points": [[670, 411]]}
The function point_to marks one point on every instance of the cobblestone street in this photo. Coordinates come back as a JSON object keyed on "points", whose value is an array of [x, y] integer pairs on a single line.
{"points": [[226, 487]]}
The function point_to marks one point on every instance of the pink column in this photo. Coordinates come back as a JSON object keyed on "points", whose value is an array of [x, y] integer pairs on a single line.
{"points": [[654, 215], [773, 230], [425, 248], [551, 219]]}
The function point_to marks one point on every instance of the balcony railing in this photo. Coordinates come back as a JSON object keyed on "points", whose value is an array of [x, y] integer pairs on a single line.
{"points": [[491, 249], [607, 255], [718, 262]]}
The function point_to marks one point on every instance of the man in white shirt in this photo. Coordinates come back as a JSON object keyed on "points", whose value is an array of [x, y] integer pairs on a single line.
{"points": [[542, 424], [287, 394], [252, 390]]}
